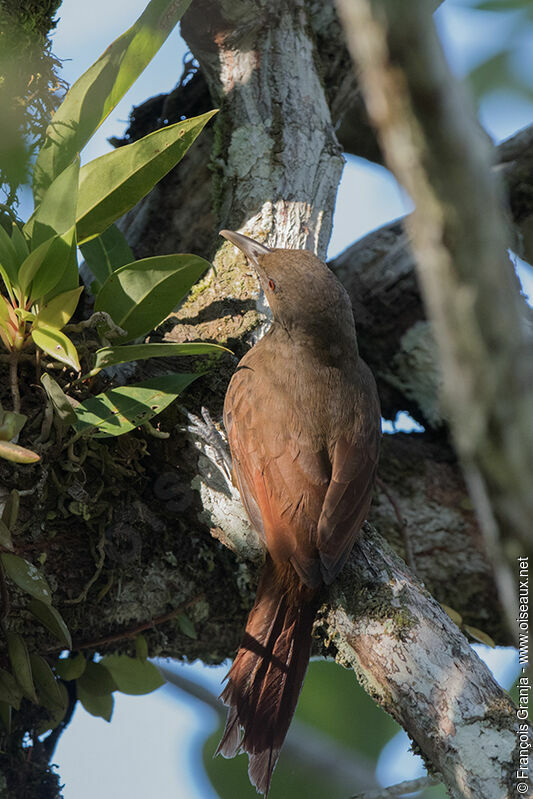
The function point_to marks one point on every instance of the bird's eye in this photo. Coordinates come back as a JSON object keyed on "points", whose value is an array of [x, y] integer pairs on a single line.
{"points": [[271, 285]]}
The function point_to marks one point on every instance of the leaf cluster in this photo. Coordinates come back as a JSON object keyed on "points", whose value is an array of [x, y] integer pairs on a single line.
{"points": [[75, 208]]}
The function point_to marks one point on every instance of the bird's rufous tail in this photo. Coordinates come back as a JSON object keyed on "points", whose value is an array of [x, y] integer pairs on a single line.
{"points": [[265, 679]]}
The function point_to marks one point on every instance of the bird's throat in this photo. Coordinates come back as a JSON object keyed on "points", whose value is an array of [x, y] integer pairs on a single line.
{"points": [[329, 344]]}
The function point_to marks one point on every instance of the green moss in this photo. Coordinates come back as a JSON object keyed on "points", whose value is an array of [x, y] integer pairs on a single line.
{"points": [[382, 605], [205, 364], [200, 286], [500, 712]]}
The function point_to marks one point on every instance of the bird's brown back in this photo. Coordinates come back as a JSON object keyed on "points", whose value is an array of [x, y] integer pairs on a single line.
{"points": [[304, 436]]}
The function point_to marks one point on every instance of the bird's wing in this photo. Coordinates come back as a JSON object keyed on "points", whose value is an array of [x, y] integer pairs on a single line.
{"points": [[307, 505], [349, 493], [281, 478]]}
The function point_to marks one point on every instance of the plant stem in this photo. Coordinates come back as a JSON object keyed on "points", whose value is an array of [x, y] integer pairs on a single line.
{"points": [[14, 381], [7, 210], [131, 632]]}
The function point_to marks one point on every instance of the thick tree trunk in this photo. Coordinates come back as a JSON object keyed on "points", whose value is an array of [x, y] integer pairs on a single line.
{"points": [[276, 159]]}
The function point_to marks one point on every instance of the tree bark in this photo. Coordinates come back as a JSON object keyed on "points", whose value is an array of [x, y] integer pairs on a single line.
{"points": [[433, 145], [412, 658], [128, 527], [276, 159]]}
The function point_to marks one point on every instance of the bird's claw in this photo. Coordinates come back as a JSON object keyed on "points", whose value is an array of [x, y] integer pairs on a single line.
{"points": [[205, 429]]}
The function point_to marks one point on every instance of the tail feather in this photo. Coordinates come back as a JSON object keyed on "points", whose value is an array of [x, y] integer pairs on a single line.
{"points": [[231, 740], [265, 679]]}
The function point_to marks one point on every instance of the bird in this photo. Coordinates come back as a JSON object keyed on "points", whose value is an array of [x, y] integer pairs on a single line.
{"points": [[303, 422]]}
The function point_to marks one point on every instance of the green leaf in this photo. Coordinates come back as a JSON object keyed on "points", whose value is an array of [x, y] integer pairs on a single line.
{"points": [[110, 356], [141, 647], [101, 706], [10, 691], [133, 676], [57, 311], [57, 211], [8, 284], [47, 686], [5, 715], [115, 182], [11, 509], [27, 577], [5, 536], [11, 424], [17, 454], [123, 408], [96, 93], [32, 264], [331, 705], [59, 399], [479, 635], [8, 255], [71, 668], [51, 618], [19, 243], [498, 72], [140, 295], [453, 614], [20, 662], [186, 626], [96, 680], [70, 279], [56, 716], [25, 316], [490, 74], [55, 343], [57, 260], [7, 313], [105, 253]]}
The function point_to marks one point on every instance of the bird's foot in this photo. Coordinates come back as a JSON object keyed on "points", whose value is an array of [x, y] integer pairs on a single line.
{"points": [[205, 429]]}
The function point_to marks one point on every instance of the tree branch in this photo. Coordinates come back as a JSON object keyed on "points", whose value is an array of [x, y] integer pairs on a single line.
{"points": [[423, 477], [414, 661], [352, 125], [395, 337], [515, 167], [432, 144], [400, 789], [277, 162]]}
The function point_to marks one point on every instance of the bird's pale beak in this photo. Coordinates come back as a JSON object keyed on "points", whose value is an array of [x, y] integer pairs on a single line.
{"points": [[252, 249]]}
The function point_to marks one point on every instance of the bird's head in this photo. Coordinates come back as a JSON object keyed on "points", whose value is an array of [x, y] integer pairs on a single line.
{"points": [[301, 290]]}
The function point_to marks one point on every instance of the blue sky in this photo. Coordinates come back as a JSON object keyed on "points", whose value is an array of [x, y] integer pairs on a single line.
{"points": [[153, 738]]}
